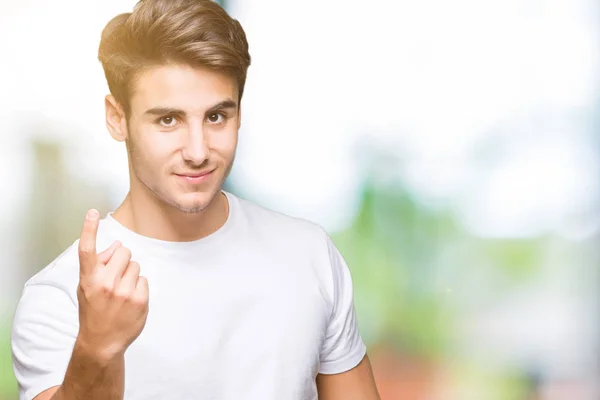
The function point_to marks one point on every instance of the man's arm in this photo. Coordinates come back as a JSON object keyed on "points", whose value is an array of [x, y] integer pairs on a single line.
{"points": [[113, 307], [355, 384], [345, 371], [88, 377]]}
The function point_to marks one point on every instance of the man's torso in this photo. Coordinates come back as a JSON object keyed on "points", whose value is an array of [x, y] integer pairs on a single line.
{"points": [[242, 314]]}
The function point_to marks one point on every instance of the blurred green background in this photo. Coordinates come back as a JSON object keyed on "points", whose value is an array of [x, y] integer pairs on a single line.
{"points": [[451, 150]]}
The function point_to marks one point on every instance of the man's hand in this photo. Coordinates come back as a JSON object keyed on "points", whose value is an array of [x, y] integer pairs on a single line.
{"points": [[113, 297]]}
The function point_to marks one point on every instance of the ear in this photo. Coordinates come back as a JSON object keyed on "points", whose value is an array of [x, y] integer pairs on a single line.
{"points": [[116, 121]]}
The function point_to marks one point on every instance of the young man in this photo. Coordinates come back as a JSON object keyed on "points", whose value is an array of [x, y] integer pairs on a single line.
{"points": [[198, 294]]}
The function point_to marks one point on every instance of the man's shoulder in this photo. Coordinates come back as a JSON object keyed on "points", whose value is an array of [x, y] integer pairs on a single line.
{"points": [[264, 218], [64, 269], [279, 233], [62, 272]]}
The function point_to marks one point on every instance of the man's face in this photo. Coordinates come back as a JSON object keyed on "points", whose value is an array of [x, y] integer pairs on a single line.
{"points": [[182, 134]]}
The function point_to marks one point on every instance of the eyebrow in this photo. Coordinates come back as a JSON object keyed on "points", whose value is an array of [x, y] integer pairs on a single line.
{"points": [[158, 111]]}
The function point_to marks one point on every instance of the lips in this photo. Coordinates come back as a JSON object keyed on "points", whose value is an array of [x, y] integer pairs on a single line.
{"points": [[194, 174], [194, 178]]}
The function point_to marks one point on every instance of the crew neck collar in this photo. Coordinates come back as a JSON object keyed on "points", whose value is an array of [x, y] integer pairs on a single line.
{"points": [[130, 238]]}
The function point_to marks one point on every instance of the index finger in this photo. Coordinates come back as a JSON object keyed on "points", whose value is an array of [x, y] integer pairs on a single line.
{"points": [[88, 258]]}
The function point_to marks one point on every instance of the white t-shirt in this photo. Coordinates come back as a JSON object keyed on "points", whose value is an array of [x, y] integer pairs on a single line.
{"points": [[254, 311]]}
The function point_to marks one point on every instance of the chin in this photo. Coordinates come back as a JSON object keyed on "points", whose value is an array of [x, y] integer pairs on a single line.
{"points": [[194, 202]]}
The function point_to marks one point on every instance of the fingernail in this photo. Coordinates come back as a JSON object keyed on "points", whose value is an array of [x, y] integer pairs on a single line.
{"points": [[92, 214]]}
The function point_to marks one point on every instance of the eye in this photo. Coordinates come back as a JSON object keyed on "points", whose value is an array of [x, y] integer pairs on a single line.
{"points": [[167, 121], [216, 118]]}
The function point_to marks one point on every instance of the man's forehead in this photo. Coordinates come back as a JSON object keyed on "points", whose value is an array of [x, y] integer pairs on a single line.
{"points": [[182, 87]]}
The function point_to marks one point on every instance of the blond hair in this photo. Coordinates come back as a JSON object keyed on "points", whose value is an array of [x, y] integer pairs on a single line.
{"points": [[198, 33]]}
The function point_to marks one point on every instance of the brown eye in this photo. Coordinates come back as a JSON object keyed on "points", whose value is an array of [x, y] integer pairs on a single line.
{"points": [[216, 118], [168, 121]]}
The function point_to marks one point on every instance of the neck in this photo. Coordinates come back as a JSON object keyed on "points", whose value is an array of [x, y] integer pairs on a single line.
{"points": [[150, 217]]}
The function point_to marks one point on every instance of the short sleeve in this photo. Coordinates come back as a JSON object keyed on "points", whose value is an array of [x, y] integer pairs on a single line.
{"points": [[43, 334], [343, 347]]}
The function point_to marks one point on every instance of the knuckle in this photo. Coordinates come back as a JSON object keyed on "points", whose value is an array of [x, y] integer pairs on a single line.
{"points": [[107, 289], [140, 297], [139, 302], [134, 298], [135, 267], [83, 290], [85, 249], [85, 285], [122, 295], [126, 252]]}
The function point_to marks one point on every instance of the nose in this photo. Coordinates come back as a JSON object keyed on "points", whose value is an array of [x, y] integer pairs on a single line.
{"points": [[196, 150]]}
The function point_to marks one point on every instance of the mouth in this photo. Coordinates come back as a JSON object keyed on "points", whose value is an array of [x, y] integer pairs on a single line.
{"points": [[195, 177]]}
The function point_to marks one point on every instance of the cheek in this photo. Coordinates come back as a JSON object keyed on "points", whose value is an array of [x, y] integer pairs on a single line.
{"points": [[162, 141], [225, 143], [155, 148]]}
